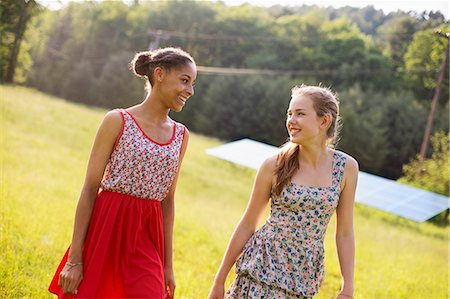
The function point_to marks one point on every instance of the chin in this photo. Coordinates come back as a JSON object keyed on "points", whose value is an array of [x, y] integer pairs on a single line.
{"points": [[295, 140]]}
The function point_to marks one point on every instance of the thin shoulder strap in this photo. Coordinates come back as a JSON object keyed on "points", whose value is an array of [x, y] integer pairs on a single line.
{"points": [[180, 130], [122, 114], [339, 165]]}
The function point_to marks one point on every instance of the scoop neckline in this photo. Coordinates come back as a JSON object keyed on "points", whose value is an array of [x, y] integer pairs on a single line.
{"points": [[300, 186], [152, 140]]}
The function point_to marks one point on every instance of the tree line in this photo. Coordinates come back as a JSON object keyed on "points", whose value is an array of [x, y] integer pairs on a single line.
{"points": [[384, 67]]}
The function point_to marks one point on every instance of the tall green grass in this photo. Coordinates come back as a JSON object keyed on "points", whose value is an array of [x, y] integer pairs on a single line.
{"points": [[45, 143]]}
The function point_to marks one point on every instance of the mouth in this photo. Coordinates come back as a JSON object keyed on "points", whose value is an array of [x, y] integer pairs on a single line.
{"points": [[183, 99], [294, 131]]}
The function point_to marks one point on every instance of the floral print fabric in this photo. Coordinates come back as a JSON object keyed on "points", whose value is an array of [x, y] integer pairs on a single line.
{"points": [[246, 286], [287, 251], [140, 166]]}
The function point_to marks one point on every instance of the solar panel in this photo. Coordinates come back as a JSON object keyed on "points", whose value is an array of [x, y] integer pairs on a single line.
{"points": [[374, 191]]}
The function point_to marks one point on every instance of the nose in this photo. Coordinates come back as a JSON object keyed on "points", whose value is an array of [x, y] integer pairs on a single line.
{"points": [[289, 120], [190, 90]]}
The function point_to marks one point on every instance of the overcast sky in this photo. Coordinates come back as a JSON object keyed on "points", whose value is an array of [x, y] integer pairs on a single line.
{"points": [[386, 6]]}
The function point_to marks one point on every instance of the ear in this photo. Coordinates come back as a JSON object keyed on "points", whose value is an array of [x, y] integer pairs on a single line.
{"points": [[326, 121], [158, 74]]}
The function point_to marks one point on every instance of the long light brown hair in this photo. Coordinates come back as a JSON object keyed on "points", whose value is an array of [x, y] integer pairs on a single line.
{"points": [[324, 102]]}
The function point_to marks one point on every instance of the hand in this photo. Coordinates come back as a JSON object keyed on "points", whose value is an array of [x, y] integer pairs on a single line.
{"points": [[70, 277], [343, 295], [169, 283], [217, 291]]}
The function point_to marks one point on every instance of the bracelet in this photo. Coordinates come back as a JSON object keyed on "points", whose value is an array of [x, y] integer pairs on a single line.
{"points": [[71, 265]]}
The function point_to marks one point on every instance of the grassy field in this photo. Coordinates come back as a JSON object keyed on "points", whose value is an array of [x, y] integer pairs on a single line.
{"points": [[45, 142]]}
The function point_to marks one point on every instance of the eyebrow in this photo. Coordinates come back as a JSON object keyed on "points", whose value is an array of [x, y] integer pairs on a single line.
{"points": [[190, 78], [300, 109]]}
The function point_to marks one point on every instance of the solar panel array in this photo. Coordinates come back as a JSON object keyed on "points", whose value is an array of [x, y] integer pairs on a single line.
{"points": [[374, 191]]}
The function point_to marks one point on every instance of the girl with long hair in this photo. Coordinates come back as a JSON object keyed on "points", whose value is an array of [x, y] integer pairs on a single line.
{"points": [[305, 182]]}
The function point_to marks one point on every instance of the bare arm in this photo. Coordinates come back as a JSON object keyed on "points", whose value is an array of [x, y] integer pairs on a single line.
{"points": [[101, 150], [168, 211], [345, 240], [247, 225]]}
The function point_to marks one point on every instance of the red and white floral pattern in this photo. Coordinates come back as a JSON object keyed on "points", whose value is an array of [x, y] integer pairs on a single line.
{"points": [[140, 166]]}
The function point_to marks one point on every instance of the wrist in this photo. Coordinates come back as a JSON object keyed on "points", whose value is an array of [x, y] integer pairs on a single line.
{"points": [[74, 260], [168, 268], [70, 265], [75, 256], [347, 287], [347, 292], [219, 280]]}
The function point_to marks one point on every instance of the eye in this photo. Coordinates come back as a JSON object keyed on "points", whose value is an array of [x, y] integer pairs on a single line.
{"points": [[185, 80]]}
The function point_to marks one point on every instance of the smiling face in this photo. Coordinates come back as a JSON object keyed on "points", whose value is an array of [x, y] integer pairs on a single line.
{"points": [[302, 122], [176, 85]]}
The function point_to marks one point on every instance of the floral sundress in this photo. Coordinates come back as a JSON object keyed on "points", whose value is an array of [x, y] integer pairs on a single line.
{"points": [[285, 257]]}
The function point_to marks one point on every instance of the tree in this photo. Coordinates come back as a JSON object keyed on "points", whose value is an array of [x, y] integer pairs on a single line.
{"points": [[380, 129], [350, 57], [422, 63], [363, 133], [395, 35], [15, 16], [432, 174]]}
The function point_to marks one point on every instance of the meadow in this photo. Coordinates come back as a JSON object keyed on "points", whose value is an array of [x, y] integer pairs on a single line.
{"points": [[45, 143]]}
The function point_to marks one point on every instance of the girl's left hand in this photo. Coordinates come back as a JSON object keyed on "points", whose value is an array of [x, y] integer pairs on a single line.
{"points": [[342, 295], [169, 283]]}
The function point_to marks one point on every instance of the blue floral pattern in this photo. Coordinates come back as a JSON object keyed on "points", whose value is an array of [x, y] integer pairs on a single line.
{"points": [[287, 252]]}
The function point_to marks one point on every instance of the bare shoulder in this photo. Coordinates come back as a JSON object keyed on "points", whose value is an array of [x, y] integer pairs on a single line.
{"points": [[113, 117], [186, 132], [269, 164], [351, 169], [185, 137], [267, 168], [351, 165], [112, 124]]}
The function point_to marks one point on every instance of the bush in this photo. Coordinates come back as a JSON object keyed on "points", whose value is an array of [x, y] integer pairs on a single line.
{"points": [[433, 173]]}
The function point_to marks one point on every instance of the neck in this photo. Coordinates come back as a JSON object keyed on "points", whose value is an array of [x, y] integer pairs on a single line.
{"points": [[154, 108], [312, 154]]}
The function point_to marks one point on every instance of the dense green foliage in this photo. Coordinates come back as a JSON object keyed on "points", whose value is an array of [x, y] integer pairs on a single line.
{"points": [[44, 153], [383, 66], [433, 173], [15, 58]]}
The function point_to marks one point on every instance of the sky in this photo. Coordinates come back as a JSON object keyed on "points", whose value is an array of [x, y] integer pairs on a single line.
{"points": [[386, 6]]}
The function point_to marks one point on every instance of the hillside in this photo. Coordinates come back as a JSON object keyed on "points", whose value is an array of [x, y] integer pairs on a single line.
{"points": [[45, 143]]}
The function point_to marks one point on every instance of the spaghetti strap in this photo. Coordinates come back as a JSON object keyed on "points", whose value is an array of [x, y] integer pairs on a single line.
{"points": [[339, 160]]}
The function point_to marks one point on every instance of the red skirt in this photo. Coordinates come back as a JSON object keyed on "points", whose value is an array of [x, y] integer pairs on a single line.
{"points": [[123, 253]]}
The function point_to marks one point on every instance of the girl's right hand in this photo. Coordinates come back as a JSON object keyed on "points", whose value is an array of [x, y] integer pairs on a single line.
{"points": [[217, 291], [70, 277]]}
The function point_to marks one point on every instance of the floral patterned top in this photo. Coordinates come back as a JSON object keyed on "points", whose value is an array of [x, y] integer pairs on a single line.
{"points": [[140, 166], [287, 251]]}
